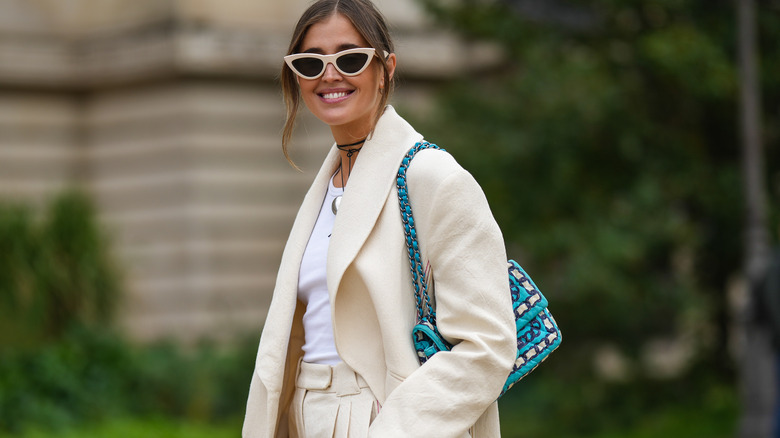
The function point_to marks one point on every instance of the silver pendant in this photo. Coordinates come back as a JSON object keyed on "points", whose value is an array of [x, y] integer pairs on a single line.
{"points": [[336, 204]]}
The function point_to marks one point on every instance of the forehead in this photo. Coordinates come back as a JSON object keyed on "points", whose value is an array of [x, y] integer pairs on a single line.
{"points": [[331, 35]]}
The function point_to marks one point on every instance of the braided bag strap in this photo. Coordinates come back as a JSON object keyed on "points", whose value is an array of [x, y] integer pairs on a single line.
{"points": [[425, 311]]}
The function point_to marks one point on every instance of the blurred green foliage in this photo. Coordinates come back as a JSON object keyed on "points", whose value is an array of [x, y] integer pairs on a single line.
{"points": [[609, 149], [548, 404], [90, 375], [62, 364], [55, 271], [142, 427]]}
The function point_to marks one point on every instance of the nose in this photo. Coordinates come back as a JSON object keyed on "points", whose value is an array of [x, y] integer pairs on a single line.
{"points": [[331, 74]]}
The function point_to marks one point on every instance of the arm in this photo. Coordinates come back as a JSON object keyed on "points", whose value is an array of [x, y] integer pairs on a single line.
{"points": [[463, 243]]}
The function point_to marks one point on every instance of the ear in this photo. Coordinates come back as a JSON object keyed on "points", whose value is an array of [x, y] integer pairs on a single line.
{"points": [[391, 63]]}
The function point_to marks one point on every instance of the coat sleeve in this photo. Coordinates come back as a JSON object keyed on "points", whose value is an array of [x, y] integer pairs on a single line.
{"points": [[461, 240]]}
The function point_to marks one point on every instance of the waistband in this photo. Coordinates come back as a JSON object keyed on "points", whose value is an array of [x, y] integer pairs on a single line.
{"points": [[337, 378]]}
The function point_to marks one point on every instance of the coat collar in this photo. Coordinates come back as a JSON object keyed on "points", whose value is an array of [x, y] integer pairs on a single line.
{"points": [[372, 178]]}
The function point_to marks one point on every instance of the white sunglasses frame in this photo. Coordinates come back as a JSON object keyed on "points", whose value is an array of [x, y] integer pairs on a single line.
{"points": [[331, 59]]}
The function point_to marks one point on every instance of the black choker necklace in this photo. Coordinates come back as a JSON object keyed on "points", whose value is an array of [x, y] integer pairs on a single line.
{"points": [[350, 152], [342, 146]]}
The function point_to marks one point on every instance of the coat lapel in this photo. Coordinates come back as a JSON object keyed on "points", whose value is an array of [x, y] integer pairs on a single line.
{"points": [[369, 185]]}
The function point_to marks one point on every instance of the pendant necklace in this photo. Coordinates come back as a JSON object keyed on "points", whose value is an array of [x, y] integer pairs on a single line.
{"points": [[350, 150]]}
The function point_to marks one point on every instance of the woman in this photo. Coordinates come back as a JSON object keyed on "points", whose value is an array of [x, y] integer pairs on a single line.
{"points": [[336, 356]]}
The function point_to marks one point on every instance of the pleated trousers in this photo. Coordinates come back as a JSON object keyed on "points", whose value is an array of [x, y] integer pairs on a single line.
{"points": [[331, 401]]}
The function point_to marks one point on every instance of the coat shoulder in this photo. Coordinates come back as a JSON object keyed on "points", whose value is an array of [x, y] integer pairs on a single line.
{"points": [[430, 167]]}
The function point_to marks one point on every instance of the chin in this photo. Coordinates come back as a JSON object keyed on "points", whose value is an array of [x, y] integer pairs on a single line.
{"points": [[335, 116]]}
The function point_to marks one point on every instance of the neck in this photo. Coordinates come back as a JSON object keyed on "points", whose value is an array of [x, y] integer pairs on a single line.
{"points": [[348, 153], [343, 139]]}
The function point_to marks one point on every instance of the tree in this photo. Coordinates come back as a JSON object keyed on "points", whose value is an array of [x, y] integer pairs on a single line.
{"points": [[606, 145], [757, 375]]}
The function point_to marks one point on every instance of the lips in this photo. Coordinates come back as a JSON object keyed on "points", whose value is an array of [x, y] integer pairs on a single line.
{"points": [[334, 96]]}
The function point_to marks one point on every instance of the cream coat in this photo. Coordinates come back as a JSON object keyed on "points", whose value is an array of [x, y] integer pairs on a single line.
{"points": [[372, 303]]}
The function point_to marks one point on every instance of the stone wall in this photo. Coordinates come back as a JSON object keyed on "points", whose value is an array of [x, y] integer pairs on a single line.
{"points": [[192, 184], [169, 113]]}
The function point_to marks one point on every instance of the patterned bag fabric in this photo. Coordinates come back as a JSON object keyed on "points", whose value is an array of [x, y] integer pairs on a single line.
{"points": [[537, 333]]}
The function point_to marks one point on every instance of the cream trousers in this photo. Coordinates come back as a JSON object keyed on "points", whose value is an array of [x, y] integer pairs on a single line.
{"points": [[331, 401]]}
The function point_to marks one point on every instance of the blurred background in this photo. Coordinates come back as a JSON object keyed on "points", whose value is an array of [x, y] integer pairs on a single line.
{"points": [[629, 150]]}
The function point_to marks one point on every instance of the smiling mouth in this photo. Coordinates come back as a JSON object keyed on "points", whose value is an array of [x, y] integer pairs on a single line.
{"points": [[335, 95]]}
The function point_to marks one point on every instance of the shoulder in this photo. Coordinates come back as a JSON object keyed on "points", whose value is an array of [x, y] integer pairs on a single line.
{"points": [[433, 168]]}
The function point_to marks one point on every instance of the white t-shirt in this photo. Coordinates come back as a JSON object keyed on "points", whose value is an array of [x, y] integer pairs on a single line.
{"points": [[319, 346]]}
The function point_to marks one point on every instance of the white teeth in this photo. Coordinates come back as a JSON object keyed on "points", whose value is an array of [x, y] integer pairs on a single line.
{"points": [[334, 95]]}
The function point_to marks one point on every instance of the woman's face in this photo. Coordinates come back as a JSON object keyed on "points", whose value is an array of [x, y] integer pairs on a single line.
{"points": [[346, 103]]}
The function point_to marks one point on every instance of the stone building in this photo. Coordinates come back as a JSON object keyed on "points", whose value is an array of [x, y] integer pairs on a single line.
{"points": [[169, 113]]}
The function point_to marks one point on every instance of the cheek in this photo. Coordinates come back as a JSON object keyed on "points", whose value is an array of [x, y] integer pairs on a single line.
{"points": [[371, 83], [306, 86], [307, 91]]}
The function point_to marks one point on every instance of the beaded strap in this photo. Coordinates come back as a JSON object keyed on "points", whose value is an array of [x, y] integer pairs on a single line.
{"points": [[425, 311]]}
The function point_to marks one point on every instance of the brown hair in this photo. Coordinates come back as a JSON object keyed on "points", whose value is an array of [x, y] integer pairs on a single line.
{"points": [[369, 23]]}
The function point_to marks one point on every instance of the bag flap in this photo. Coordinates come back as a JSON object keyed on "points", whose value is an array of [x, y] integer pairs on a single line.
{"points": [[527, 300]]}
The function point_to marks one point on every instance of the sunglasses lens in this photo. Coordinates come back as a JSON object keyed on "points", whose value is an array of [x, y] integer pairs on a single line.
{"points": [[352, 62], [308, 67]]}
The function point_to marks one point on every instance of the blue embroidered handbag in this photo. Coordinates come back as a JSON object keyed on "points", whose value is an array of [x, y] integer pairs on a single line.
{"points": [[537, 333]]}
